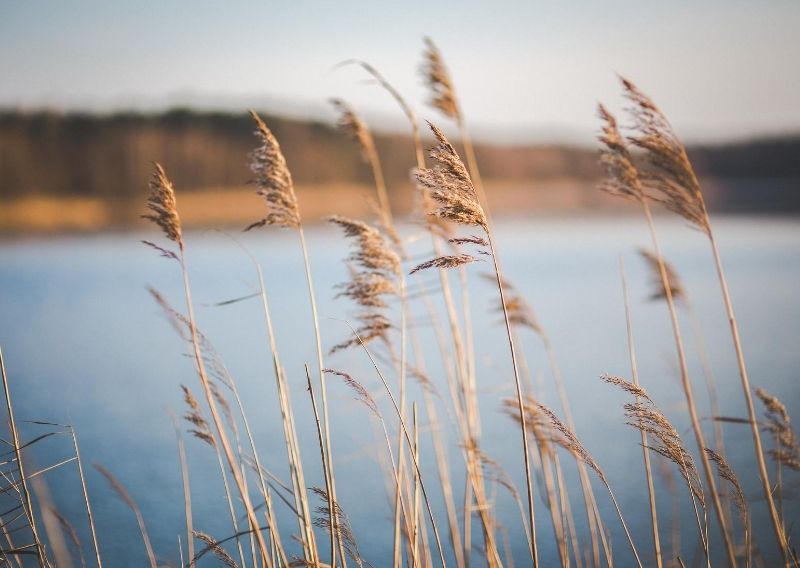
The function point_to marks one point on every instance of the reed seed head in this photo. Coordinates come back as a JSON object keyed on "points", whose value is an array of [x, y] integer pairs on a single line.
{"points": [[676, 288], [352, 125], [725, 471], [448, 261], [627, 386], [622, 177], [273, 179], [362, 394], [194, 415], [118, 488], [669, 175], [374, 277], [434, 71], [343, 528], [371, 252], [213, 545], [569, 441], [163, 206], [645, 416], [372, 326], [786, 450], [450, 184]]}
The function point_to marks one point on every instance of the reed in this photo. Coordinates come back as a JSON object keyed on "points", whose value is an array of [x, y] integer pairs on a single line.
{"points": [[444, 99], [674, 183], [651, 492], [26, 502], [164, 213], [202, 431], [126, 498], [187, 491], [366, 399], [786, 447], [562, 435], [216, 549], [521, 315], [451, 186], [645, 416], [624, 180], [274, 182], [301, 506]]}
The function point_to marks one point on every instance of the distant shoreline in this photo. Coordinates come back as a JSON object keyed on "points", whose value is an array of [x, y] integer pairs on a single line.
{"points": [[238, 206]]}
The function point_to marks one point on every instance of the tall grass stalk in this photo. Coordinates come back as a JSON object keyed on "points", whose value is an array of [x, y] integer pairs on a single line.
{"points": [[677, 186], [325, 467], [123, 494], [443, 97], [409, 443], [275, 185], [595, 522], [570, 442], [366, 399], [27, 504], [624, 180], [463, 397], [231, 509], [290, 433], [543, 453], [651, 492], [85, 494], [220, 428], [162, 204], [440, 455], [187, 493], [451, 186]]}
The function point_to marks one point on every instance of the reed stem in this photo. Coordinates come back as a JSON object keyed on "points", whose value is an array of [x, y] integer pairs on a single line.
{"points": [[222, 435], [27, 504], [518, 384], [688, 392], [323, 386], [748, 396], [651, 493]]}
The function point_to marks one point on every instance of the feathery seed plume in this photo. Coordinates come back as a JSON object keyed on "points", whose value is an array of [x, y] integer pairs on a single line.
{"points": [[569, 441], [622, 177], [627, 386], [362, 394], [343, 527], [373, 278], [162, 203], [670, 174], [352, 125], [787, 447], [273, 179], [676, 286], [450, 184], [448, 261], [725, 471], [434, 71], [216, 548], [645, 416]]}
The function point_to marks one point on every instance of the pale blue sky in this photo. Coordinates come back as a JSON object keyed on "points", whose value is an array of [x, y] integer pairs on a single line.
{"points": [[720, 69]]}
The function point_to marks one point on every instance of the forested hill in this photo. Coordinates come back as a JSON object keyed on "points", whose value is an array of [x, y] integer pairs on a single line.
{"points": [[109, 157]]}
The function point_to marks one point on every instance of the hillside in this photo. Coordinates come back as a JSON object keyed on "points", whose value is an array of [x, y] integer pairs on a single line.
{"points": [[103, 163]]}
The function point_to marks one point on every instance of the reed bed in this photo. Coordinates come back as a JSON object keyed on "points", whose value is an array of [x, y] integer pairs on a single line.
{"points": [[273, 521]]}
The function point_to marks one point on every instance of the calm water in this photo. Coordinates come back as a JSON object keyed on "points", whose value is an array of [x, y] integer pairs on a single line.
{"points": [[85, 344]]}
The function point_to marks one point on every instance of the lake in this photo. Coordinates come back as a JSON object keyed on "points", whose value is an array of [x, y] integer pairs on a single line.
{"points": [[85, 344]]}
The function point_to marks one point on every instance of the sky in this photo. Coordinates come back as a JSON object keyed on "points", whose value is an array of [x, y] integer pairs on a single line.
{"points": [[524, 70]]}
